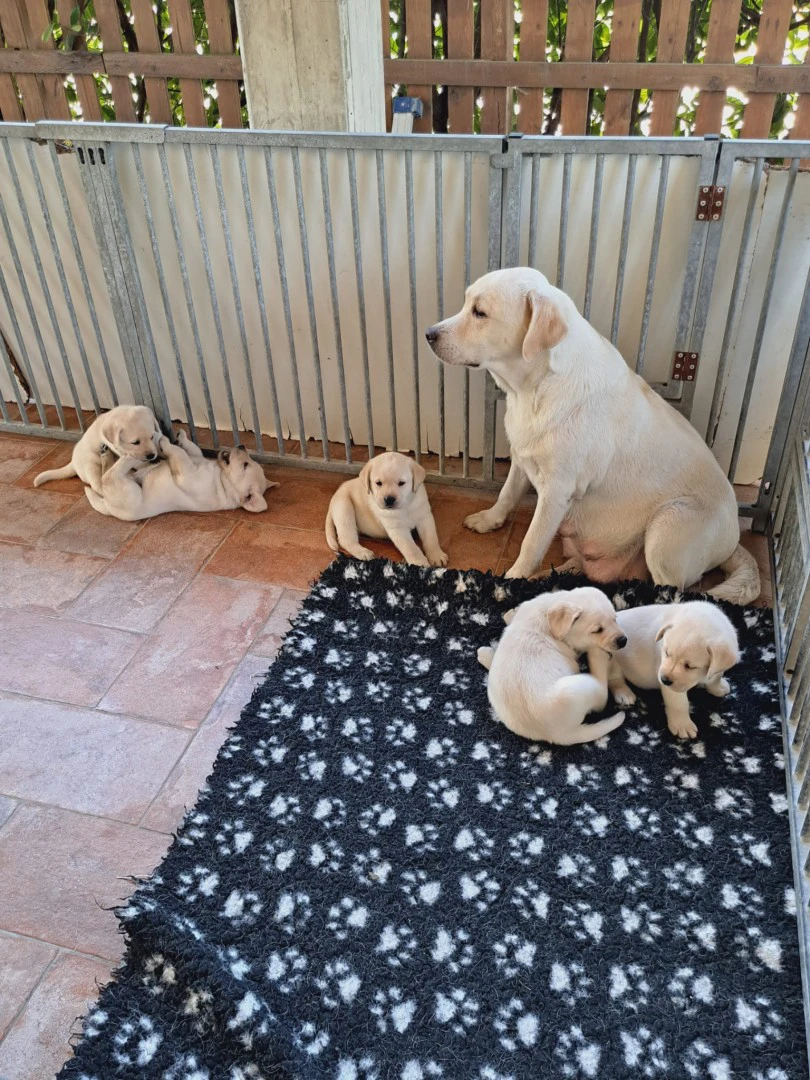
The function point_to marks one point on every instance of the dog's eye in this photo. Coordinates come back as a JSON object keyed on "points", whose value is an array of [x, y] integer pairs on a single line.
{"points": [[246, 464], [379, 483], [137, 442], [402, 483], [478, 313], [598, 630], [689, 667]]}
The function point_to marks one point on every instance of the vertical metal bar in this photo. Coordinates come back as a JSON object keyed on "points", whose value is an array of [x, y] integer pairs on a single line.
{"points": [[437, 181], [753, 363], [285, 299], [565, 201], [192, 317], [512, 191], [625, 237], [733, 304], [212, 289], [330, 258], [361, 297], [534, 209], [494, 217], [10, 373], [257, 274], [43, 281], [164, 292], [414, 315], [389, 337], [467, 275], [597, 203], [77, 251], [23, 357], [237, 296], [313, 325], [652, 267], [494, 259]]}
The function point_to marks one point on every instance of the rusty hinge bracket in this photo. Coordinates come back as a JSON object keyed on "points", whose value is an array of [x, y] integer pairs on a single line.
{"points": [[684, 366], [710, 203]]}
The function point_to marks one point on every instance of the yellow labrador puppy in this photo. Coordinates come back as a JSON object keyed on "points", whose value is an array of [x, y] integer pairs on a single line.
{"points": [[388, 498], [185, 480], [673, 648], [623, 477], [535, 685], [128, 430]]}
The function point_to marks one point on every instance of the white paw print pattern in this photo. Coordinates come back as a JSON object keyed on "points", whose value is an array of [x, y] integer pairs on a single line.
{"points": [[337, 692], [699, 934], [421, 838], [584, 920], [514, 955], [578, 1058], [583, 777], [751, 850], [757, 951], [246, 788], [644, 822], [495, 795], [242, 908], [526, 848], [357, 767], [539, 806], [399, 777], [370, 868], [443, 753], [489, 755], [393, 1009], [632, 780], [415, 701], [284, 809], [277, 855], [199, 883], [475, 843], [681, 783], [517, 1026], [233, 838], [701, 1060], [591, 822], [457, 1008], [644, 1052], [530, 900], [693, 834], [330, 813], [577, 869], [480, 888], [758, 1020], [570, 982], [642, 921], [684, 878], [419, 888], [738, 760], [270, 752], [742, 896], [311, 767], [629, 986], [299, 678], [346, 917], [415, 666], [454, 949], [293, 911], [401, 732], [338, 983], [397, 944], [442, 794], [377, 818], [311, 1040], [136, 1041], [286, 969], [734, 802], [326, 855], [358, 730], [689, 990], [363, 1068], [457, 713], [315, 728], [631, 872]]}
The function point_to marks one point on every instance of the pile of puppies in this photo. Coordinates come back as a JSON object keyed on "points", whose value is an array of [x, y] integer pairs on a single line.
{"points": [[623, 478]]}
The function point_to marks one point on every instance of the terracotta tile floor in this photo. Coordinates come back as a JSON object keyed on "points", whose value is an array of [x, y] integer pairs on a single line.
{"points": [[126, 652]]}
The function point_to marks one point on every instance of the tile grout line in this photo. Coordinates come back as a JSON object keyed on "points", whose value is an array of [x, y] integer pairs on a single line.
{"points": [[61, 949], [96, 711], [39, 805], [29, 995]]}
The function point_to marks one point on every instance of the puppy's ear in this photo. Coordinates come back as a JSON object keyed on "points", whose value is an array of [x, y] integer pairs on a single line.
{"points": [[254, 502], [562, 617], [547, 327], [110, 434], [418, 475], [272, 484], [225, 457], [509, 615], [662, 631], [722, 656], [365, 476]]}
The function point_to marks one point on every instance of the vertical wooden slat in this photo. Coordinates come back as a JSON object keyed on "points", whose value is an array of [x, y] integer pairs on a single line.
{"points": [[578, 46], [157, 94], [36, 19], [623, 47], [460, 45], [801, 126], [85, 84], [420, 47], [497, 41], [773, 28], [10, 111], [385, 19], [724, 20], [671, 46], [220, 40], [185, 41], [533, 34], [15, 31], [110, 29]]}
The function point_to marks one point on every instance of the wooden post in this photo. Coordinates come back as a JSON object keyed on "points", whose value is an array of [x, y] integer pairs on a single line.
{"points": [[312, 65]]}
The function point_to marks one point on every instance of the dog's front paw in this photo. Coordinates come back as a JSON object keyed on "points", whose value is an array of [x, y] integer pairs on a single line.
{"points": [[683, 729], [164, 445], [418, 560], [518, 570], [719, 688], [363, 554], [438, 558], [623, 695], [183, 439], [483, 522]]}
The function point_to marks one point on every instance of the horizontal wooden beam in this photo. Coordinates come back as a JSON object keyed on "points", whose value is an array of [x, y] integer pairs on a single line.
{"points": [[155, 65], [530, 74]]}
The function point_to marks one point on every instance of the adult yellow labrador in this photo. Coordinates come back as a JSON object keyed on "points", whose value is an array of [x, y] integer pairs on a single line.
{"points": [[624, 478]]}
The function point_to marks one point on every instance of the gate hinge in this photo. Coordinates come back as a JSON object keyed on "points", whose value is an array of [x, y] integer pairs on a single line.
{"points": [[710, 203], [684, 366]]}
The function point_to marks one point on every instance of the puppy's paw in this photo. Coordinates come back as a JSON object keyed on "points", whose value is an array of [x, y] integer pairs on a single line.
{"points": [[683, 729], [720, 688], [363, 554], [623, 695], [418, 560], [438, 558], [518, 570], [182, 439], [163, 445], [483, 522]]}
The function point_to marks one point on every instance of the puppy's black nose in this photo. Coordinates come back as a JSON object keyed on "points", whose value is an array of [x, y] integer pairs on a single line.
{"points": [[151, 457], [390, 500], [621, 642], [432, 335], [666, 681]]}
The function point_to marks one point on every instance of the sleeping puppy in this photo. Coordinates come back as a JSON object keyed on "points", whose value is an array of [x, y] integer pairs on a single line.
{"points": [[185, 480], [387, 499], [535, 686], [673, 648], [127, 430]]}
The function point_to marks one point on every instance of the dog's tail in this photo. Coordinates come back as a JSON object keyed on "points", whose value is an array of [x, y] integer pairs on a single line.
{"points": [[331, 532], [742, 584], [98, 502], [55, 474], [591, 732]]}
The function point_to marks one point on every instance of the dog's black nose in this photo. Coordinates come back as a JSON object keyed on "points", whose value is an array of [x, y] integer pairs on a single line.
{"points": [[151, 457], [666, 680], [432, 335], [390, 500], [621, 642]]}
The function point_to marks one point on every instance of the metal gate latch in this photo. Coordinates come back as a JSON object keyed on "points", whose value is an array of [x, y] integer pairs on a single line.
{"points": [[710, 203], [684, 366]]}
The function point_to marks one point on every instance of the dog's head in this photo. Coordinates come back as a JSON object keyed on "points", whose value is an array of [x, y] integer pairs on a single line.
{"points": [[391, 480], [512, 321], [585, 619], [246, 477], [698, 643], [131, 431]]}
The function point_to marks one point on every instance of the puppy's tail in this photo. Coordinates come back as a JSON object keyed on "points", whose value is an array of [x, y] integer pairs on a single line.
{"points": [[55, 474], [742, 584], [331, 533], [592, 732]]}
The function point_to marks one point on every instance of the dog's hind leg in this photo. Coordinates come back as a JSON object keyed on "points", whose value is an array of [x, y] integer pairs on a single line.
{"points": [[341, 528], [574, 697]]}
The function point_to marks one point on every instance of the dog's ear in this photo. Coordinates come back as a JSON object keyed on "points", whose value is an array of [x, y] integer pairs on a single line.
{"points": [[365, 476], [547, 327], [509, 615], [722, 656], [224, 457], [418, 474], [562, 617], [255, 502], [662, 631], [110, 433]]}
